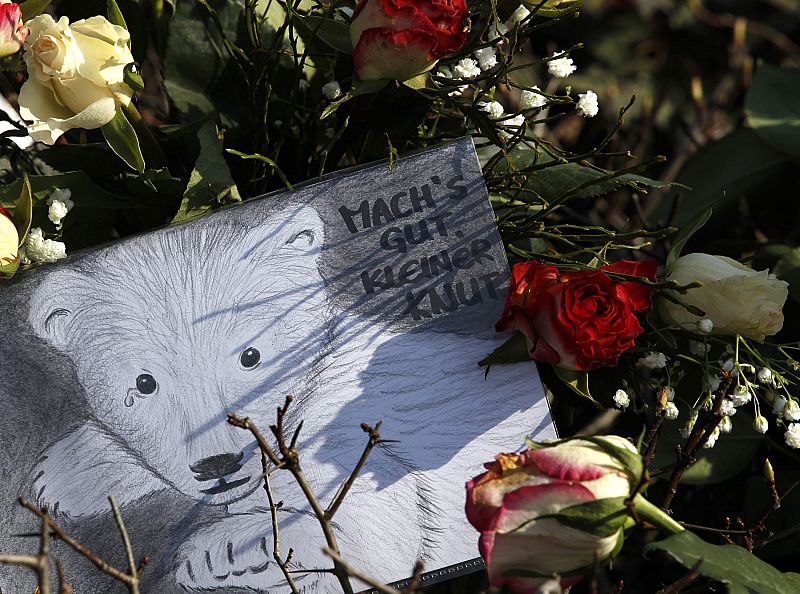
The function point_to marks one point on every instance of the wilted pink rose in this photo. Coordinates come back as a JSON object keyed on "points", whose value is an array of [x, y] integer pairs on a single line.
{"points": [[399, 39], [516, 505], [12, 32]]}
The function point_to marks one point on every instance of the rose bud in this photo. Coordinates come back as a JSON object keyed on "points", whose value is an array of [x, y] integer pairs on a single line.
{"points": [[399, 39], [75, 75], [555, 509], [12, 32], [9, 238], [737, 299], [577, 320]]}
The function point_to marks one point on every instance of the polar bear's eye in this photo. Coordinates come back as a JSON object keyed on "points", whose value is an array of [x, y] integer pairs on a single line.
{"points": [[146, 384], [250, 358]]}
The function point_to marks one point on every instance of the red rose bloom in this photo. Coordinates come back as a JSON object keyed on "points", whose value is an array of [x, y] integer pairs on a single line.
{"points": [[578, 320], [399, 39]]}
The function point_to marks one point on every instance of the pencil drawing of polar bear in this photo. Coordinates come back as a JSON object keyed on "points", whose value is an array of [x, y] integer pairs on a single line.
{"points": [[170, 332]]}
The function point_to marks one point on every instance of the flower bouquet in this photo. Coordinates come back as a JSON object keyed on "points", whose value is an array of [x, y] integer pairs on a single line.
{"points": [[658, 296]]}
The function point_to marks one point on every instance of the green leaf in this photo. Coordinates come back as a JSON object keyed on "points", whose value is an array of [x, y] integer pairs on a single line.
{"points": [[418, 82], [601, 517], [33, 8], [772, 107], [788, 269], [685, 234], [577, 381], [122, 139], [132, 78], [728, 458], [550, 183], [554, 8], [210, 183], [115, 14], [740, 571], [23, 210], [199, 74], [514, 350], [721, 173], [336, 34]]}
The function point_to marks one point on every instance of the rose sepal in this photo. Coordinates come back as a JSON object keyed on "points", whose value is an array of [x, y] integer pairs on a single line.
{"points": [[632, 463], [115, 14], [33, 8], [601, 517], [335, 34], [122, 139]]}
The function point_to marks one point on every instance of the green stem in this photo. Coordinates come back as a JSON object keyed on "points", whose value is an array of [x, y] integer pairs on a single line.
{"points": [[154, 155], [655, 515]]}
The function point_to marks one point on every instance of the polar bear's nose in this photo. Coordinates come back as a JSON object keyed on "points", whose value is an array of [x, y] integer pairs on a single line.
{"points": [[215, 467]]}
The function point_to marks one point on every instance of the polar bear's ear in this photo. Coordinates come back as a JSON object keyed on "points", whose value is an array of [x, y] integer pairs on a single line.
{"points": [[305, 232], [52, 306]]}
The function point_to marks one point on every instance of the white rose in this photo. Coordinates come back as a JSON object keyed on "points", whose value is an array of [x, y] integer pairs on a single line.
{"points": [[737, 299], [75, 75]]}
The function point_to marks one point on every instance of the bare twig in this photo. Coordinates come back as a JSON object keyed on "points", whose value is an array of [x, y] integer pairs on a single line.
{"points": [[63, 586], [290, 460], [358, 574], [681, 583], [40, 563], [703, 427], [374, 439], [130, 580], [276, 541]]}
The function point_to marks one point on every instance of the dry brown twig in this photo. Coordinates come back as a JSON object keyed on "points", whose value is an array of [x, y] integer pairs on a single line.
{"points": [[41, 562], [287, 457]]}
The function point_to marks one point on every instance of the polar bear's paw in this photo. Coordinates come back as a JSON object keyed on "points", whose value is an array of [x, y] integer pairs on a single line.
{"points": [[53, 491], [235, 552]]}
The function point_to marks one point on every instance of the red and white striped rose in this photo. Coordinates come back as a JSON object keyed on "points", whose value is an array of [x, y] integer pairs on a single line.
{"points": [[521, 507], [399, 39]]}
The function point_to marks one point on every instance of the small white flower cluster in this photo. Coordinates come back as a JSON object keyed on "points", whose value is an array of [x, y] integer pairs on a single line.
{"points": [[653, 360], [621, 399], [560, 65], [39, 249], [587, 105], [533, 98], [332, 90], [792, 435], [60, 204]]}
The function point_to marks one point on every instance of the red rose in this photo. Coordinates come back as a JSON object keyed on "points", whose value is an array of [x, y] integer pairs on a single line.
{"points": [[399, 39], [578, 320], [12, 32]]}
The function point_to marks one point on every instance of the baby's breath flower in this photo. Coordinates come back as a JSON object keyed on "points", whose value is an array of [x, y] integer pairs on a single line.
{"points": [[791, 412], [587, 105], [493, 108], [713, 382], [705, 325], [57, 211], [765, 376], [726, 365], [516, 122], [531, 99], [778, 404], [671, 411], [728, 409], [486, 57], [40, 249], [332, 90], [561, 67], [741, 395], [712, 439], [653, 360], [698, 348], [621, 399], [726, 425], [466, 68], [670, 393], [792, 435], [761, 425]]}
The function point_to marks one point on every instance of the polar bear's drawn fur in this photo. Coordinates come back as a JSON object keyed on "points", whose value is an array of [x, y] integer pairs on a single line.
{"points": [[163, 335]]}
